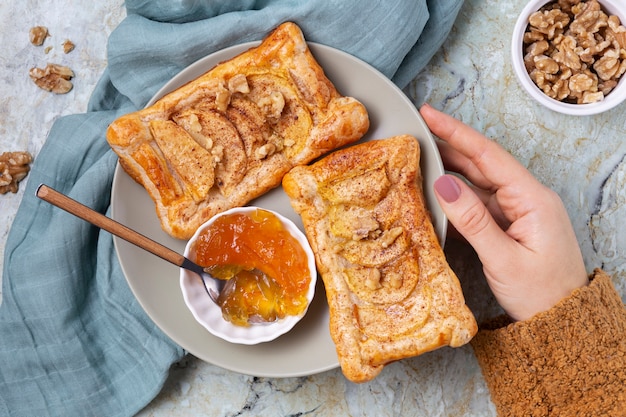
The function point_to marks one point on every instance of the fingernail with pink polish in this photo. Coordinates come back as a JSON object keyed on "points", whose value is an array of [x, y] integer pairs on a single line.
{"points": [[447, 188]]}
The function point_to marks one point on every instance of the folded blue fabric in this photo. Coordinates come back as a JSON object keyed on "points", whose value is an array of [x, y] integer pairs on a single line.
{"points": [[73, 339]]}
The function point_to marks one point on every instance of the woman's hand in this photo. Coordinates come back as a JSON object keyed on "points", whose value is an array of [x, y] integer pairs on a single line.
{"points": [[518, 227]]}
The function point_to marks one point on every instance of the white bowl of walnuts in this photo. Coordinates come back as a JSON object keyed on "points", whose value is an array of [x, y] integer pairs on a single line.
{"points": [[570, 55]]}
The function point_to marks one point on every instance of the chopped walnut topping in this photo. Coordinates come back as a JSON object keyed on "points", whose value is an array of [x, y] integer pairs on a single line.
{"points": [[395, 280], [272, 105], [38, 35], [218, 153], [222, 98], [278, 104], [372, 279], [239, 84], [193, 123], [266, 150], [390, 236], [14, 167], [574, 51], [54, 78], [68, 46]]}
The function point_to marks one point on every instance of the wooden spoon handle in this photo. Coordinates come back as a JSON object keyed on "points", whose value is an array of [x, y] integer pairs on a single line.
{"points": [[74, 207]]}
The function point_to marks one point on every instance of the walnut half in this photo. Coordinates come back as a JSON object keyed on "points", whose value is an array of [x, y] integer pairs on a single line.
{"points": [[14, 167], [54, 78]]}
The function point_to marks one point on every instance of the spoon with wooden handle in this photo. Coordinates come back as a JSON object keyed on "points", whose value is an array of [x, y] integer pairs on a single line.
{"points": [[106, 223]]}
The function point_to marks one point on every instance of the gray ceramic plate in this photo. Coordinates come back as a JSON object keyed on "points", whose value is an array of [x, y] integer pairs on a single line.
{"points": [[308, 348]]}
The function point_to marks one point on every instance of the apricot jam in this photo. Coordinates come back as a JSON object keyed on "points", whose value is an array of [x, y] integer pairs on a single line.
{"points": [[266, 266]]}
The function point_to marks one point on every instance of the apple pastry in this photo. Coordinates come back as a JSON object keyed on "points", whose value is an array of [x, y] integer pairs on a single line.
{"points": [[390, 290], [231, 134]]}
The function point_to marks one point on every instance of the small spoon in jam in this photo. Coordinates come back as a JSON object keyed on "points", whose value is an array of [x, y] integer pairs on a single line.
{"points": [[106, 223], [249, 296]]}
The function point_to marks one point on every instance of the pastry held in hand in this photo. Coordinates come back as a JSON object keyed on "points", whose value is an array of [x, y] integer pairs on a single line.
{"points": [[231, 135], [390, 290]]}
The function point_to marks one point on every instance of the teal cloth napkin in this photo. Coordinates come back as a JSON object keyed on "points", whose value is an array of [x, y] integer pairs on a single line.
{"points": [[73, 339]]}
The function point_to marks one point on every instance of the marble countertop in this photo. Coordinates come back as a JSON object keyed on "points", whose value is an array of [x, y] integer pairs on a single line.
{"points": [[582, 158]]}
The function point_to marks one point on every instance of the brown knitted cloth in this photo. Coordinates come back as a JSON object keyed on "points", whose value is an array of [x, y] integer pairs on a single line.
{"points": [[568, 361]]}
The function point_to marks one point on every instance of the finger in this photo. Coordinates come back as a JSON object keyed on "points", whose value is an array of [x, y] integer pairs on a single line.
{"points": [[455, 161], [496, 165], [471, 218], [490, 200]]}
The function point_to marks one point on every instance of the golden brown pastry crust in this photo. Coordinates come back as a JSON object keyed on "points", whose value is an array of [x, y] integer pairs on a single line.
{"points": [[230, 135], [390, 289]]}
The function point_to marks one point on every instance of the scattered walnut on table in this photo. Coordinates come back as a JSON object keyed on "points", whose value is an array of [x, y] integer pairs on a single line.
{"points": [[38, 35], [14, 167], [574, 51], [55, 78], [68, 46]]}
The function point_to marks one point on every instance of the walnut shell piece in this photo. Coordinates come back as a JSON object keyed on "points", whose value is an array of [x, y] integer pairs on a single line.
{"points": [[14, 166], [54, 78]]}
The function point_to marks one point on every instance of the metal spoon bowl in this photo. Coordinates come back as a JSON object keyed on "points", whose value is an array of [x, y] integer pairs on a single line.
{"points": [[72, 206]]}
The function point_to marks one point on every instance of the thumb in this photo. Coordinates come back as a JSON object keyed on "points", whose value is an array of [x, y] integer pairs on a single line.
{"points": [[469, 216]]}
